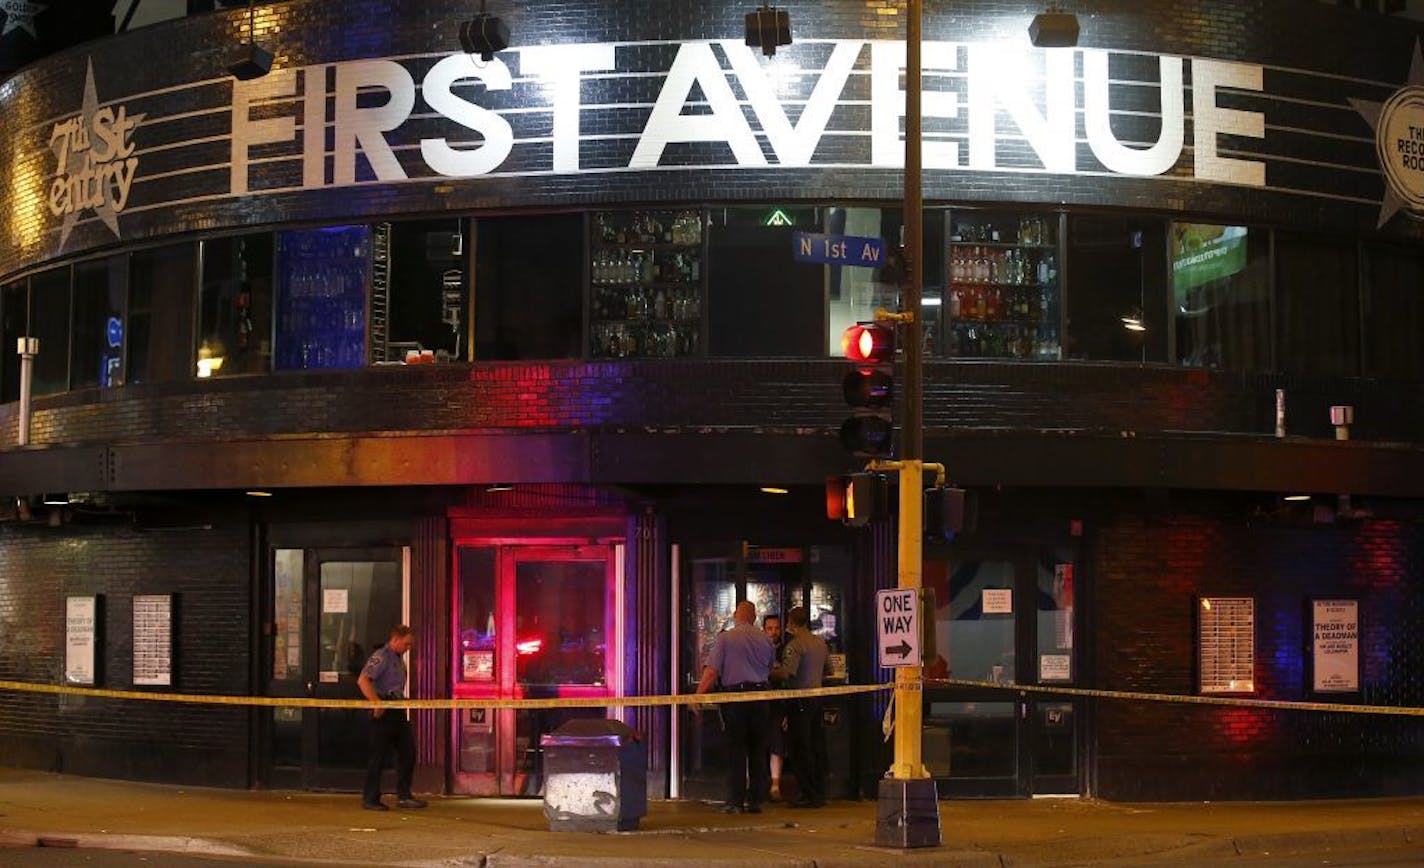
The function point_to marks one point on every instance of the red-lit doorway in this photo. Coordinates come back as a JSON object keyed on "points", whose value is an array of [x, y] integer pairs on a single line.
{"points": [[531, 621]]}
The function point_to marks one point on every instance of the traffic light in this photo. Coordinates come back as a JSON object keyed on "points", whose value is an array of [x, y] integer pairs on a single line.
{"points": [[867, 496], [869, 387], [856, 498]]}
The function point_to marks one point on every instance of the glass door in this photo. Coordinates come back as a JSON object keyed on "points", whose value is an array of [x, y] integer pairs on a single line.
{"points": [[1001, 617], [330, 609], [533, 622]]}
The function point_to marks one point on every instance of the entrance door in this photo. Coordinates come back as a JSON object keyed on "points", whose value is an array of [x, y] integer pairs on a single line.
{"points": [[330, 609], [533, 622], [1002, 616]]}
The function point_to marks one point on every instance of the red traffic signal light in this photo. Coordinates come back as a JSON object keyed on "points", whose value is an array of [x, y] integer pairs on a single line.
{"points": [[869, 387], [872, 343]]}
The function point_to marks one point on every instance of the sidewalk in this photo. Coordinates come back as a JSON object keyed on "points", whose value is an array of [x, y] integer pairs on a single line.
{"points": [[504, 833]]}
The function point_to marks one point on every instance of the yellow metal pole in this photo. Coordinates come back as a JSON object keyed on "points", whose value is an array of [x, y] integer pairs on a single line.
{"points": [[908, 695]]}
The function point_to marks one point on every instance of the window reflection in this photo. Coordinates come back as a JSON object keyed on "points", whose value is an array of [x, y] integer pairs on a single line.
{"points": [[15, 311], [1318, 324], [160, 333], [1221, 287], [49, 321], [1117, 308], [235, 307], [1394, 308], [559, 635], [419, 291]]}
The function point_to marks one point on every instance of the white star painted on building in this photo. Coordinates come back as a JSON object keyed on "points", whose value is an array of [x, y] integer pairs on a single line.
{"points": [[1373, 112], [79, 161], [20, 14]]}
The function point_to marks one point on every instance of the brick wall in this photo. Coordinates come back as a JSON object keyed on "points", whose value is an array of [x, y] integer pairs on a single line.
{"points": [[207, 570], [712, 394], [1147, 578]]}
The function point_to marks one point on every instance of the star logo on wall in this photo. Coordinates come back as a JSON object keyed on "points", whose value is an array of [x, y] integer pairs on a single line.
{"points": [[20, 14], [1398, 123], [89, 185]]}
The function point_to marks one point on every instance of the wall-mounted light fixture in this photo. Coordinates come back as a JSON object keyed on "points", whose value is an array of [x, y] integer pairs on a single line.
{"points": [[251, 60], [768, 28], [485, 35], [1054, 28], [774, 489]]}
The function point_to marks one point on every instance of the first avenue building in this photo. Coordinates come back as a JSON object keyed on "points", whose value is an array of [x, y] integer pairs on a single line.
{"points": [[540, 354]]}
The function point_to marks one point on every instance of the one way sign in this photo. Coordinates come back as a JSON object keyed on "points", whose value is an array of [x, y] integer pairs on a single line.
{"points": [[897, 622]]}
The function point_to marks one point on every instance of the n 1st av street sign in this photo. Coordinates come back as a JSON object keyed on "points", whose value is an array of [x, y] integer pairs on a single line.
{"points": [[897, 626], [838, 249]]}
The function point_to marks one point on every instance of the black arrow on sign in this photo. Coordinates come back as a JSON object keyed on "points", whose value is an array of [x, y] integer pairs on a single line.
{"points": [[903, 649]]}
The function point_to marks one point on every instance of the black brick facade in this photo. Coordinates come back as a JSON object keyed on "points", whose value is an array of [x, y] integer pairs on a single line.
{"points": [[1089, 432], [208, 571]]}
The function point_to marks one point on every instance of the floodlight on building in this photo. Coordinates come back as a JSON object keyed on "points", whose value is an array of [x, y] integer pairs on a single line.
{"points": [[485, 35], [1054, 28], [768, 28], [251, 60]]}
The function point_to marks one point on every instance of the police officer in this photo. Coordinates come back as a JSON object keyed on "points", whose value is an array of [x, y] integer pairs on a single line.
{"points": [[741, 659], [804, 665], [383, 679]]}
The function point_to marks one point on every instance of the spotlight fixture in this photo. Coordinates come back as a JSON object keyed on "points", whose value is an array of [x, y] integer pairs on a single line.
{"points": [[251, 60], [485, 35], [1054, 28], [768, 28]]}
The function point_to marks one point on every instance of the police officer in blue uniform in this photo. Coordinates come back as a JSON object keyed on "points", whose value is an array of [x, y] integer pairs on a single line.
{"points": [[741, 659], [383, 680]]}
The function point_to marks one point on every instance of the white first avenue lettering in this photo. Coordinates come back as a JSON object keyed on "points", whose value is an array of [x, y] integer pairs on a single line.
{"points": [[720, 93]]}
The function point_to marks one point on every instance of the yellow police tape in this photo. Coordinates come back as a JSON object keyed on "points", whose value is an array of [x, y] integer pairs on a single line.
{"points": [[695, 699]]}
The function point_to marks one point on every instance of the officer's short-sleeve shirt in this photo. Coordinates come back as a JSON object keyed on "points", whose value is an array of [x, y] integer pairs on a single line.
{"points": [[742, 655], [386, 669]]}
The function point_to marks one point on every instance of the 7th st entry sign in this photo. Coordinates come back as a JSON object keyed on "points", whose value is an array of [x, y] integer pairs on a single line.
{"points": [[838, 249], [897, 625]]}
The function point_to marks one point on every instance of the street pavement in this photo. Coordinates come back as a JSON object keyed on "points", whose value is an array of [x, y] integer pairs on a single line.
{"points": [[288, 827]]}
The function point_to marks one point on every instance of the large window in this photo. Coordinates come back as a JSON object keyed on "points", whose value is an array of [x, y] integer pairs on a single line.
{"points": [[14, 324], [49, 321], [100, 287], [1221, 291], [1117, 308], [528, 287], [235, 307], [419, 290], [1318, 323], [321, 298], [1393, 302], [160, 318], [1003, 299], [760, 302]]}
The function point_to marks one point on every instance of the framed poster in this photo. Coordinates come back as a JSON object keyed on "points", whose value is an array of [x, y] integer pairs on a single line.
{"points": [[153, 640], [1335, 646], [81, 638], [1226, 644]]}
